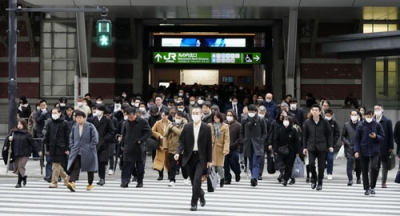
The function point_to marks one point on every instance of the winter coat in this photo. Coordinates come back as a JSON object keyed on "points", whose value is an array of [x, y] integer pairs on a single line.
{"points": [[40, 120], [299, 115], [22, 143], [253, 133], [317, 137], [363, 143], [234, 136], [335, 131], [85, 145], [56, 140], [24, 111], [287, 137], [272, 109], [220, 144], [348, 135], [173, 137], [158, 130], [207, 119], [397, 136], [105, 129], [387, 142], [134, 136]]}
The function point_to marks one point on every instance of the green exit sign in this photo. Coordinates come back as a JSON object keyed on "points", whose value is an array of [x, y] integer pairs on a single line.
{"points": [[206, 57]]}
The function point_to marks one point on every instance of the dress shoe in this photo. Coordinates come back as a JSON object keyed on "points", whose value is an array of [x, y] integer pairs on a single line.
{"points": [[307, 180], [160, 178], [48, 179], [124, 185], [358, 181], [202, 201], [319, 187], [350, 183], [284, 183], [101, 182], [227, 182], [260, 178], [384, 185], [292, 181], [193, 208], [139, 185], [313, 185], [280, 178], [366, 192], [253, 182], [17, 185], [372, 191], [221, 183], [237, 178], [24, 180]]}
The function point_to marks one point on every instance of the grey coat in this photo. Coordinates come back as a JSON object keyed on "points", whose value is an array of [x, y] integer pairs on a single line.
{"points": [[86, 145], [348, 135], [253, 133]]}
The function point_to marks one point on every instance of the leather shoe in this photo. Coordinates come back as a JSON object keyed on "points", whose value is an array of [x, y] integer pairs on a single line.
{"points": [[358, 181], [284, 183], [193, 208], [259, 177], [124, 185], [366, 192], [292, 181], [24, 180], [18, 186], [253, 182], [160, 178], [202, 201], [101, 182], [227, 182], [48, 179], [350, 183], [319, 187], [139, 185], [384, 185], [280, 178], [221, 183], [307, 180], [313, 185], [237, 178], [372, 191]]}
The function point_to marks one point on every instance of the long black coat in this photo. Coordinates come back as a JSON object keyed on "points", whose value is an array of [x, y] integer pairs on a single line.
{"points": [[57, 140], [348, 135], [40, 120], [133, 133], [105, 128], [254, 133], [317, 137], [386, 143], [23, 143]]}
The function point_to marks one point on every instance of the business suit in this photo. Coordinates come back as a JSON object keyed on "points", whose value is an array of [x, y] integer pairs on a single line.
{"points": [[239, 111], [196, 162]]}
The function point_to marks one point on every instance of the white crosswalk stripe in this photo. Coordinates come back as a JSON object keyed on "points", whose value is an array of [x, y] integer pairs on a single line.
{"points": [[156, 198]]}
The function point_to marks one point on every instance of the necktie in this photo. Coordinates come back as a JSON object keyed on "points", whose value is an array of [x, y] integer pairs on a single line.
{"points": [[234, 109]]}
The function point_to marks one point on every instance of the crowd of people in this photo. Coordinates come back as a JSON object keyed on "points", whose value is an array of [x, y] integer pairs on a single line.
{"points": [[228, 128]]}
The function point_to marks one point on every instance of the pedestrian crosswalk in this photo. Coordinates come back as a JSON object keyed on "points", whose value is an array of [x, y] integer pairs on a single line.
{"points": [[239, 198]]}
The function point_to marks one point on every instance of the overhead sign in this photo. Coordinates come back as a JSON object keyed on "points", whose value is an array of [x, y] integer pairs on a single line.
{"points": [[203, 42], [206, 58]]}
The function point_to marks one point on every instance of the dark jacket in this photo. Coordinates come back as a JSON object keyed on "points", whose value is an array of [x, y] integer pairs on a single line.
{"points": [[57, 140], [234, 136], [40, 120], [22, 143], [335, 131], [24, 111], [105, 129], [272, 109], [348, 135], [317, 137], [253, 133], [207, 119], [299, 114], [363, 143], [133, 133], [387, 142], [154, 119], [287, 136], [397, 136]]}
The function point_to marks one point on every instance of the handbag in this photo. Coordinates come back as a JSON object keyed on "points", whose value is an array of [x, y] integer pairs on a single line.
{"points": [[212, 180], [152, 144], [391, 161], [298, 168], [270, 164], [283, 151]]}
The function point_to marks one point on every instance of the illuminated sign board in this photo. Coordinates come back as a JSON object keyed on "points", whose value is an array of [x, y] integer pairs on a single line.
{"points": [[203, 42], [206, 58]]}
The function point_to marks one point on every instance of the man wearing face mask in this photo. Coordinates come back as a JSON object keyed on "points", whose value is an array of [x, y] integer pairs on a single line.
{"points": [[368, 137], [181, 108], [80, 106], [336, 135], [253, 133], [298, 113], [105, 129], [262, 113], [387, 144], [116, 106], [99, 100], [237, 108], [317, 140], [63, 104], [207, 114], [271, 106]]}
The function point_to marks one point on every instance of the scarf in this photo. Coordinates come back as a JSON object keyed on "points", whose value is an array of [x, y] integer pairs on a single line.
{"points": [[206, 115], [217, 127]]}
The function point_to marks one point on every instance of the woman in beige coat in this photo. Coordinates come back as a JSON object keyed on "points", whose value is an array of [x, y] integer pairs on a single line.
{"points": [[220, 139], [159, 131]]}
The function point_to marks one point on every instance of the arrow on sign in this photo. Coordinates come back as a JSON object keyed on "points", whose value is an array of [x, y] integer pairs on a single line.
{"points": [[158, 56], [257, 58]]}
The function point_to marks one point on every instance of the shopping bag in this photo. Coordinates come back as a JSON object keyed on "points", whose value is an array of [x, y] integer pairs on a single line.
{"points": [[397, 179], [270, 164], [298, 168], [340, 154], [212, 180], [391, 161]]}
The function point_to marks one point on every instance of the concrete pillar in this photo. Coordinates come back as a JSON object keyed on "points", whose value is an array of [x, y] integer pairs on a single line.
{"points": [[277, 68], [137, 41], [290, 61], [368, 82], [82, 53]]}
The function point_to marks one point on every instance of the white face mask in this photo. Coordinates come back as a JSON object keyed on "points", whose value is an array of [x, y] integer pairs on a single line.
{"points": [[293, 106], [354, 118], [37, 108], [80, 104], [99, 113], [55, 116], [234, 103], [267, 100], [99, 102], [251, 115], [328, 118], [286, 123], [94, 113], [378, 113], [229, 118], [369, 120], [62, 104], [196, 118], [216, 97], [181, 109], [44, 110], [261, 115], [180, 94], [178, 121], [142, 109], [192, 102], [125, 118], [200, 102], [136, 104], [123, 95]]}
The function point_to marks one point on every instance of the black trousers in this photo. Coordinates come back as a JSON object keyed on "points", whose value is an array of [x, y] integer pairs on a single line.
{"points": [[102, 170], [289, 160], [127, 171], [174, 166], [366, 163], [75, 169], [321, 156], [196, 171]]}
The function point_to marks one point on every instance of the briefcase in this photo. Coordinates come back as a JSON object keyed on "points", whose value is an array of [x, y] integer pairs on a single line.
{"points": [[391, 161], [212, 180], [270, 164], [152, 144]]}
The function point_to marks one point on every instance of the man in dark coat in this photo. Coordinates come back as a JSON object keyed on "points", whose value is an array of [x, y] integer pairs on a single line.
{"points": [[387, 144], [334, 126], [41, 116], [299, 114], [105, 128], [397, 137], [207, 114], [195, 143], [253, 133], [57, 145], [135, 132], [317, 140], [83, 155]]}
